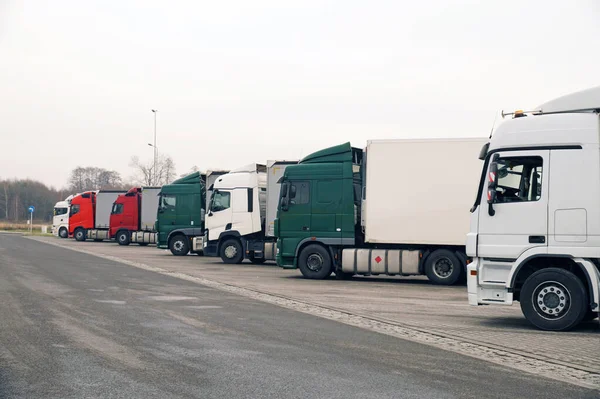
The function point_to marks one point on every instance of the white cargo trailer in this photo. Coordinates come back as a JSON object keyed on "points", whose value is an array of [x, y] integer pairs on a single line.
{"points": [[103, 208], [149, 208]]}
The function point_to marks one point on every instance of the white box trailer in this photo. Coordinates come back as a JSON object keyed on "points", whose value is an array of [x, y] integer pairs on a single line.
{"points": [[420, 191], [275, 170], [149, 208]]}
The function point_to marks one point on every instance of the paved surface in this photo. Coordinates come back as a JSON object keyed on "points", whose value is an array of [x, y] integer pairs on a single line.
{"points": [[412, 302], [75, 325]]}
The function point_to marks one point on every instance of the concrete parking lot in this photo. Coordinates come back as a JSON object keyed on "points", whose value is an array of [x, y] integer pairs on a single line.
{"points": [[411, 305]]}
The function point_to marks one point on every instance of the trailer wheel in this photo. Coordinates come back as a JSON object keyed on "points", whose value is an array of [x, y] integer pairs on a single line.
{"points": [[179, 245], [123, 237], [79, 234], [554, 299], [443, 267], [231, 251], [63, 232], [315, 262]]}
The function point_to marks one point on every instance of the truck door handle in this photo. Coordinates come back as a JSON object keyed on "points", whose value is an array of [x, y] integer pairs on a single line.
{"points": [[305, 228], [537, 239]]}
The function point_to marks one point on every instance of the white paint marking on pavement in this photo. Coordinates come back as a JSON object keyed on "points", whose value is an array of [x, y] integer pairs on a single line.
{"points": [[111, 301], [505, 358], [171, 298], [203, 307]]}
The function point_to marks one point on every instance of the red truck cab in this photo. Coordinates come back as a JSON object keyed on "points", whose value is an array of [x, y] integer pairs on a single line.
{"points": [[81, 215], [125, 212]]}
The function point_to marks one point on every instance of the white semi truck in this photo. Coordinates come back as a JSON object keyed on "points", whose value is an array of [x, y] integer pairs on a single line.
{"points": [[60, 218], [535, 224], [242, 210]]}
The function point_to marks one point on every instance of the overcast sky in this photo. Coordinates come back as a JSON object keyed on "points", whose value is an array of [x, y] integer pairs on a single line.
{"points": [[244, 81]]}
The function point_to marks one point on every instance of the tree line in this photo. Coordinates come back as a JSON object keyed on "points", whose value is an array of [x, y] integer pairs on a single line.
{"points": [[16, 195]]}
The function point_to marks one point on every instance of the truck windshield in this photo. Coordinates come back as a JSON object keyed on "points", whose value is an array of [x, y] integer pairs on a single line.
{"points": [[60, 211]]}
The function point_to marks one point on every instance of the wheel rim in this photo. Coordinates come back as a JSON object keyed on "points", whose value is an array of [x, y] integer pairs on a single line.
{"points": [[230, 251], [314, 262], [443, 268], [551, 300], [122, 238], [79, 235], [178, 246]]}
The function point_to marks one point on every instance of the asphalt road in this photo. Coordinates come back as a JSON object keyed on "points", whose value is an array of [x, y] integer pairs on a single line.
{"points": [[79, 326]]}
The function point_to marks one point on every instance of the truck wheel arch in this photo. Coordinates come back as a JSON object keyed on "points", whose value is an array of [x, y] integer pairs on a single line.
{"points": [[308, 241], [230, 234], [537, 262]]}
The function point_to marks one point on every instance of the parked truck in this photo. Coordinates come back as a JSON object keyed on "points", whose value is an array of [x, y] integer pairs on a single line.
{"points": [[89, 216], [133, 216], [535, 224], [398, 207], [180, 219], [60, 218], [242, 211]]}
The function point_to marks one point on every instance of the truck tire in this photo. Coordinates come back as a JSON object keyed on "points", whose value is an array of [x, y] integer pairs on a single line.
{"points": [[179, 245], [123, 237], [590, 315], [79, 234], [63, 232], [231, 251], [315, 262], [442, 267], [554, 299]]}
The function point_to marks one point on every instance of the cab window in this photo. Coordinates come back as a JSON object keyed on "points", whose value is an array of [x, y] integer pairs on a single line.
{"points": [[60, 211], [221, 200], [74, 210], [168, 201], [117, 209], [519, 179]]}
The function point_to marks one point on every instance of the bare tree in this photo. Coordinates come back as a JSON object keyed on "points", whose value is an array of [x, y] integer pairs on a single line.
{"points": [[144, 173], [93, 178]]}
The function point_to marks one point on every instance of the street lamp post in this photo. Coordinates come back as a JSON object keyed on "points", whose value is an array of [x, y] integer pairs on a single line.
{"points": [[152, 180], [155, 111]]}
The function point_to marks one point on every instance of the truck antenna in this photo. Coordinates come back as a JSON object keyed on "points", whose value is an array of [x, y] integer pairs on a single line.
{"points": [[494, 124]]}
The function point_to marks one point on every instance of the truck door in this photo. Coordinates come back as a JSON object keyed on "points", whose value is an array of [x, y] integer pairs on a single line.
{"points": [[326, 209], [518, 217], [218, 218], [297, 220]]}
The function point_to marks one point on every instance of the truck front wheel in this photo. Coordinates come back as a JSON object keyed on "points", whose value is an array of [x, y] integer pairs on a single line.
{"points": [[79, 234], [231, 251], [315, 262], [123, 237], [63, 233], [179, 245], [554, 299], [443, 267]]}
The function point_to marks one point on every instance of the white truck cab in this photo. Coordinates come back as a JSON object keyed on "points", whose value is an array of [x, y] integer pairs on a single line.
{"points": [[60, 218], [535, 225]]}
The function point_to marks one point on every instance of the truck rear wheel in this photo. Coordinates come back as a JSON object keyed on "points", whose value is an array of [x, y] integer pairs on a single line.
{"points": [[231, 251], [554, 299], [63, 232], [123, 237], [79, 234], [443, 267], [315, 262], [179, 245]]}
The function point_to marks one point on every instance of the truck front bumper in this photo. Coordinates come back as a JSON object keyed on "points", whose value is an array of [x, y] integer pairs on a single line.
{"points": [[481, 293]]}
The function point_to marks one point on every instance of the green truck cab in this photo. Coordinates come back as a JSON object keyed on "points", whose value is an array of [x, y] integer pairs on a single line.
{"points": [[318, 208], [180, 217]]}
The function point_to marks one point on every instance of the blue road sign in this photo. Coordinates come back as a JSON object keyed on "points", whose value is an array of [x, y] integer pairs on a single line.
{"points": [[31, 209]]}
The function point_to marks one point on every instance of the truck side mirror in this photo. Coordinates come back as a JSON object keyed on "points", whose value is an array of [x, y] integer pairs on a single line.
{"points": [[284, 189], [283, 204], [492, 185]]}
